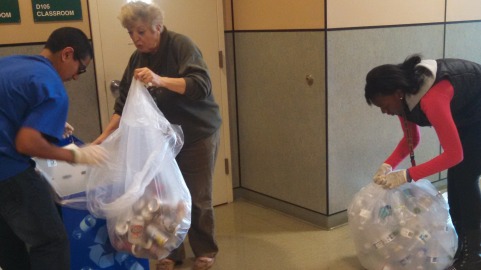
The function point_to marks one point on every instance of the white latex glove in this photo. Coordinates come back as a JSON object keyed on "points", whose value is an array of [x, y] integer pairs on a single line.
{"points": [[68, 131], [395, 179], [90, 154], [380, 175]]}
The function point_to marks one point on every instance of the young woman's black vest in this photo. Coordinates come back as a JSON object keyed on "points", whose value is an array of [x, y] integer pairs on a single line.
{"points": [[465, 76]]}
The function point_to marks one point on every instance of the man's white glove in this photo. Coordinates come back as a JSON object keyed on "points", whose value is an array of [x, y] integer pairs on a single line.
{"points": [[90, 154], [68, 131], [380, 176], [395, 179]]}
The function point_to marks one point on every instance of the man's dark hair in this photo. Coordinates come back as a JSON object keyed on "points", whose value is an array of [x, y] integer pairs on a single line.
{"points": [[70, 37]]}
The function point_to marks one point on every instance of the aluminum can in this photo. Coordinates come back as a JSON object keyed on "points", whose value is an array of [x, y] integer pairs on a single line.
{"points": [[136, 230], [157, 235]]}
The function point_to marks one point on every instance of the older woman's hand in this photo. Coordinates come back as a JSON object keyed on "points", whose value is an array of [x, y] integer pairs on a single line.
{"points": [[147, 76]]}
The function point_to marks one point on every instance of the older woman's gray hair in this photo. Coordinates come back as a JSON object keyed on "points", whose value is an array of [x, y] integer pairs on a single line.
{"points": [[135, 11]]}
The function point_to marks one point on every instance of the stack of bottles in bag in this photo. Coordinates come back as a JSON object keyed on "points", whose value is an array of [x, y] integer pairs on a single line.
{"points": [[404, 228], [152, 228]]}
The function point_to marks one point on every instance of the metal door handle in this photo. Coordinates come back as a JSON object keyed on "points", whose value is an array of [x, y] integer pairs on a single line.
{"points": [[115, 88]]}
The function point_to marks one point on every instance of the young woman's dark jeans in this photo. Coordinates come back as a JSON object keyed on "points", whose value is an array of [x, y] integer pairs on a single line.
{"points": [[32, 234]]}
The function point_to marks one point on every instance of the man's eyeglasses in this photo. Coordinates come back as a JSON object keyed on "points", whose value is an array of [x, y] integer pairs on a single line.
{"points": [[82, 68]]}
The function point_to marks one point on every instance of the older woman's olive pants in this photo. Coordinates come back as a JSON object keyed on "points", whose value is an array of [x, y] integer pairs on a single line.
{"points": [[196, 162]]}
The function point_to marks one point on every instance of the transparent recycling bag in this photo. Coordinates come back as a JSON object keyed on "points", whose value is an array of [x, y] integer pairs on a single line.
{"points": [[141, 192], [408, 227]]}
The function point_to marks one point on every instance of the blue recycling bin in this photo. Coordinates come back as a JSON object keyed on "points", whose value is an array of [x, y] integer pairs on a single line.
{"points": [[90, 247]]}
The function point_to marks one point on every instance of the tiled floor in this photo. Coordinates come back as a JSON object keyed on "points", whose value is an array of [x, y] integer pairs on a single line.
{"points": [[252, 237]]}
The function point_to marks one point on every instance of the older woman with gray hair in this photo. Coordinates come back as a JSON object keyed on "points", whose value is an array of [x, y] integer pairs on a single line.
{"points": [[178, 79]]}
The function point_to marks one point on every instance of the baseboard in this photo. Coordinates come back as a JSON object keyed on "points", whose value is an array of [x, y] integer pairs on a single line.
{"points": [[318, 219]]}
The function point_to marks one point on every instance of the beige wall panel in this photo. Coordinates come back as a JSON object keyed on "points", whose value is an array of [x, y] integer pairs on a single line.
{"points": [[355, 13], [463, 10], [27, 31], [278, 14], [227, 15]]}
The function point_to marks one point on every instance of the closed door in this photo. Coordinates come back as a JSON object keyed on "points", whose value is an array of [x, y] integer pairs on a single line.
{"points": [[202, 21]]}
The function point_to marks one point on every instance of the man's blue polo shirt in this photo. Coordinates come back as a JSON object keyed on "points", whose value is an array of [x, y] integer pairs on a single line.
{"points": [[33, 95]]}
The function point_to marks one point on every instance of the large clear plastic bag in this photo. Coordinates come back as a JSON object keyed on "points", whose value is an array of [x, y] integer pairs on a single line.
{"points": [[408, 227], [141, 192]]}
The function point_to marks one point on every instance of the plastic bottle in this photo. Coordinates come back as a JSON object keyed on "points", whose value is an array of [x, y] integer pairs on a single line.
{"points": [[411, 201], [425, 202], [384, 213], [400, 210], [364, 216], [406, 261], [423, 236]]}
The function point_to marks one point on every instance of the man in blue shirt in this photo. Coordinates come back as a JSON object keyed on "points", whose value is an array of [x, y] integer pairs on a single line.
{"points": [[33, 113]]}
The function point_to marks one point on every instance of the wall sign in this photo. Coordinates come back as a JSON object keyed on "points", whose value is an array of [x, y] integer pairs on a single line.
{"points": [[9, 11], [56, 10]]}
